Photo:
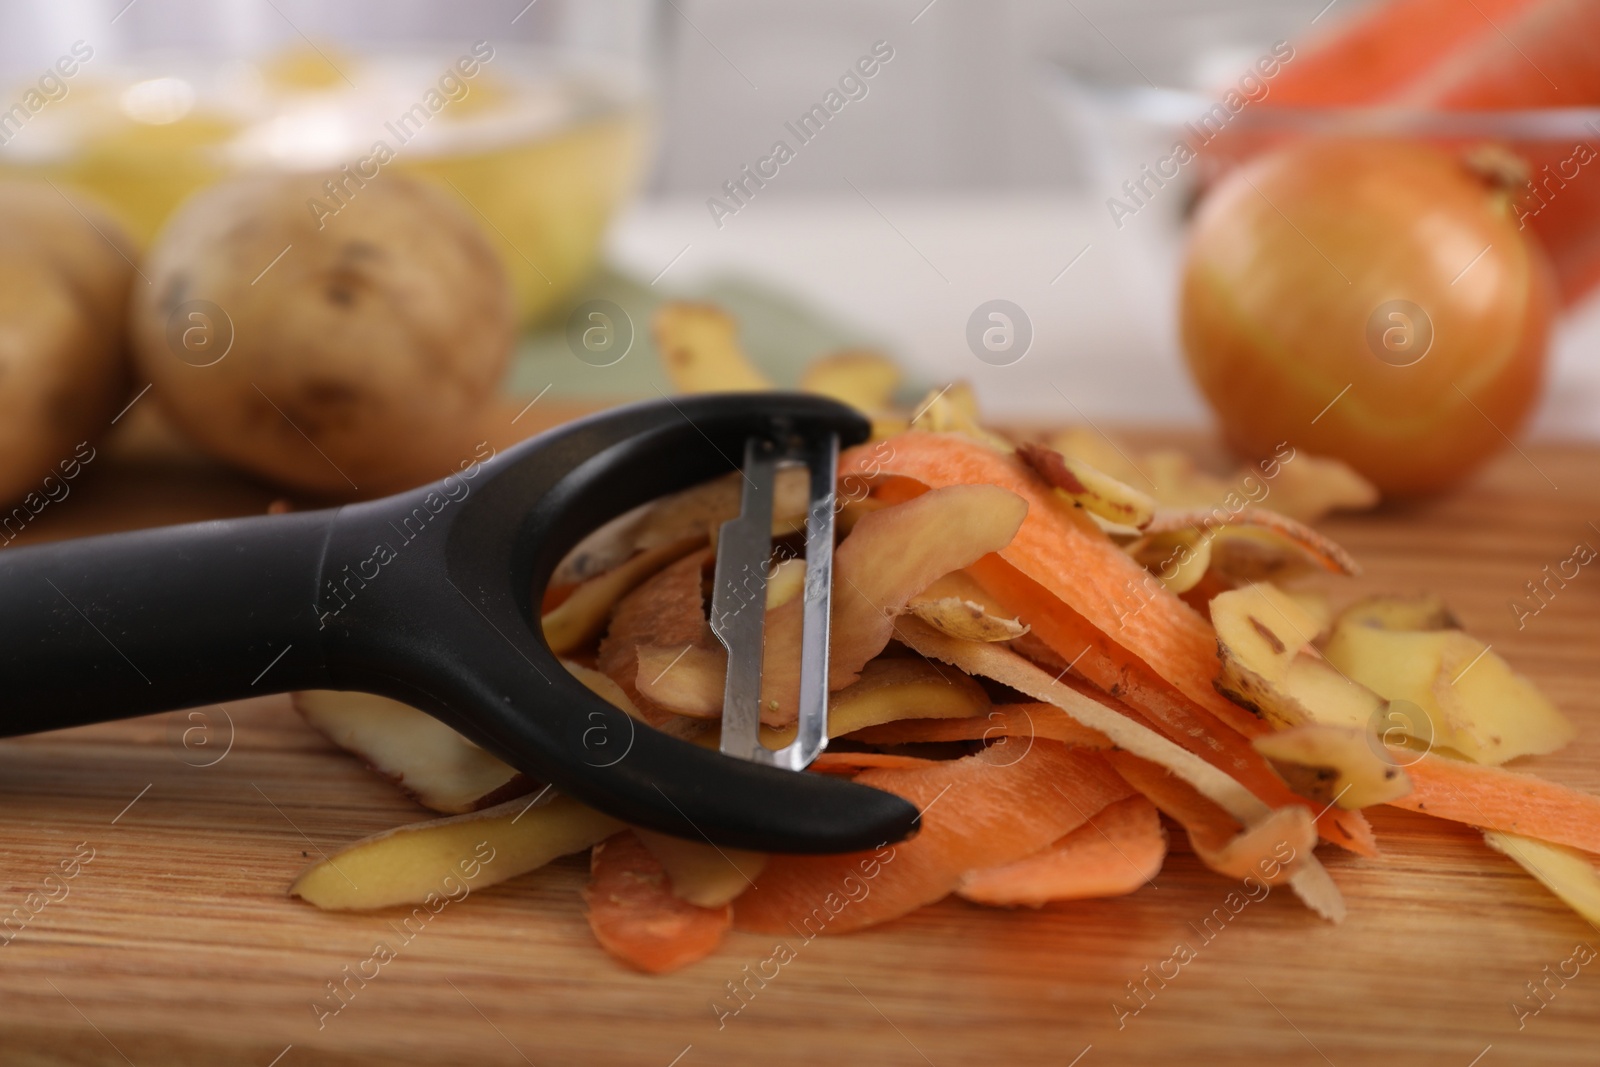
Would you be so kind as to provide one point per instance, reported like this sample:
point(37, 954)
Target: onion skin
point(1289, 258)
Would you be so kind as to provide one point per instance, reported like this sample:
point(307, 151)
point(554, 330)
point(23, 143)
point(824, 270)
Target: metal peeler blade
point(738, 605)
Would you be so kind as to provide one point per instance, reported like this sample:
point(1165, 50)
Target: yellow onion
point(1369, 300)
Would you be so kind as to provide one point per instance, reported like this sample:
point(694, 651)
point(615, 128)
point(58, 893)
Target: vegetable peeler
point(431, 597)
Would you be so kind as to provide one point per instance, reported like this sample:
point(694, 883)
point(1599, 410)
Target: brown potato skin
point(360, 361)
point(65, 273)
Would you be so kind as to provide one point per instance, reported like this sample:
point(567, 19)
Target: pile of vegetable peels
point(1042, 656)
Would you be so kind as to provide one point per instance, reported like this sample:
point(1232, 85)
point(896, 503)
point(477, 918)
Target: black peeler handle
point(428, 597)
point(126, 624)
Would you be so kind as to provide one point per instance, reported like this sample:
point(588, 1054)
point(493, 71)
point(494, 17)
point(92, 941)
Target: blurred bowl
point(1129, 137)
point(542, 145)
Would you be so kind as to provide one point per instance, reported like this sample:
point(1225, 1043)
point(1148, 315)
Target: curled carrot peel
point(1020, 721)
point(1207, 824)
point(1066, 554)
point(851, 762)
point(1118, 851)
point(1493, 798)
point(978, 811)
point(1098, 609)
point(636, 918)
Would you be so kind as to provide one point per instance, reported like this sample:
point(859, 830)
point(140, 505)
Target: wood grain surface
point(176, 944)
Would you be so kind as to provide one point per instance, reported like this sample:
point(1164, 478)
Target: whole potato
point(344, 352)
point(79, 241)
point(65, 271)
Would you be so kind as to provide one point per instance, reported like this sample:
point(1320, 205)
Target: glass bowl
point(541, 139)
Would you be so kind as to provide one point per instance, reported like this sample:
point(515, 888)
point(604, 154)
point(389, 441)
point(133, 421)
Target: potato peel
point(666, 612)
point(1268, 665)
point(426, 759)
point(1402, 614)
point(1301, 487)
point(1179, 558)
point(581, 617)
point(1262, 627)
point(1089, 488)
point(1287, 532)
point(954, 409)
point(862, 378)
point(701, 873)
point(878, 569)
point(1474, 703)
point(413, 864)
point(688, 514)
point(1349, 768)
point(699, 346)
point(893, 689)
point(965, 619)
point(1566, 872)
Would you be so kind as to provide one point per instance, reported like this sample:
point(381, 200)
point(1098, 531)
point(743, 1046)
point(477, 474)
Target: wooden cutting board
point(176, 943)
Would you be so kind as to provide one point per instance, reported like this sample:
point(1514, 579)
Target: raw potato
point(432, 763)
point(358, 363)
point(1335, 765)
point(64, 287)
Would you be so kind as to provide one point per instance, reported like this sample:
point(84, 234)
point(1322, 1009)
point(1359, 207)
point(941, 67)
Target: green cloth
point(780, 335)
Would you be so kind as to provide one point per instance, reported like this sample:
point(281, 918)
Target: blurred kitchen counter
point(909, 270)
